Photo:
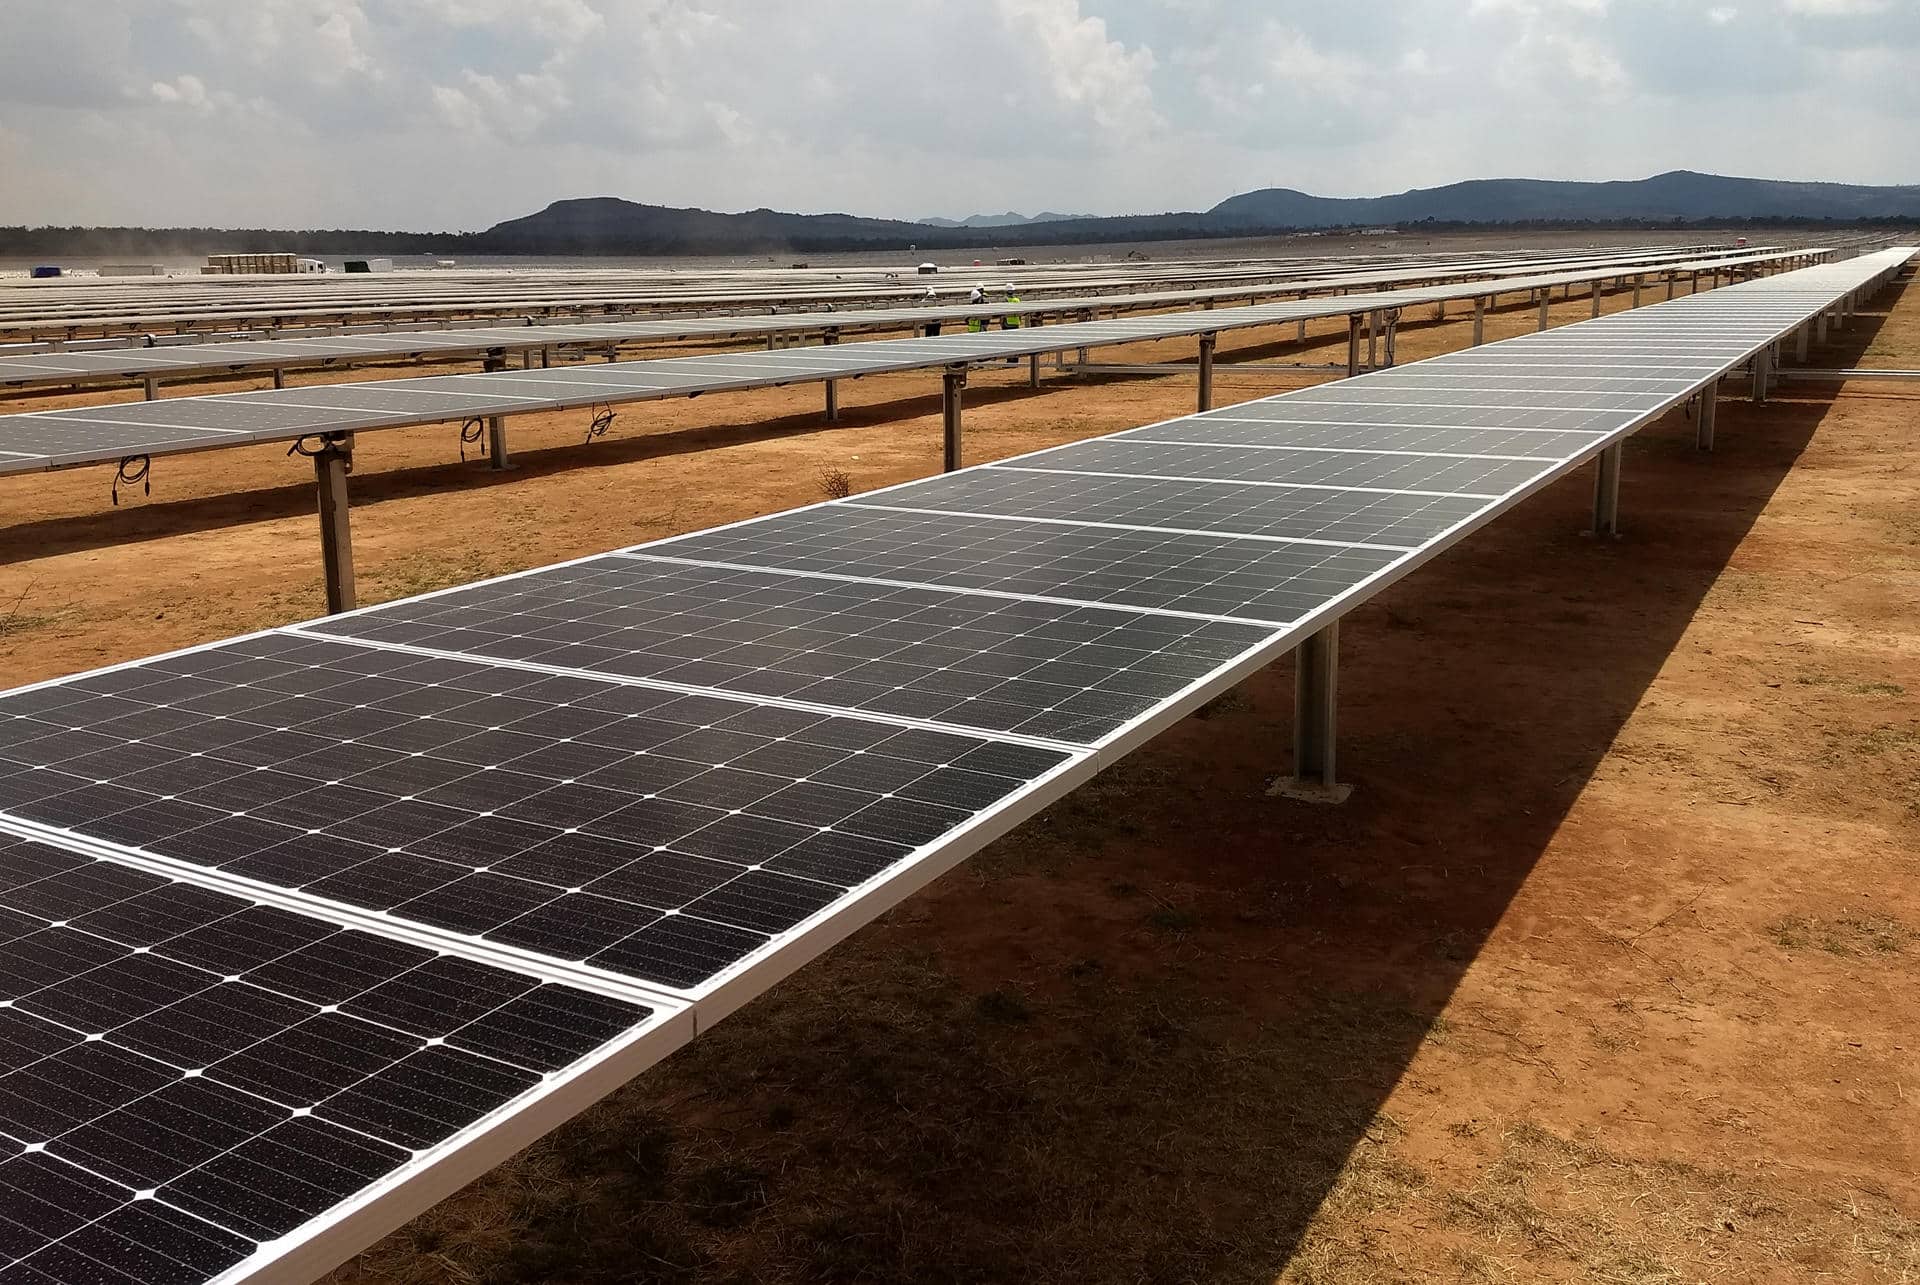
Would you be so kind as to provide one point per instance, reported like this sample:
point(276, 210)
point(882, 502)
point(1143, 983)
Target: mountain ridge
point(607, 225)
point(612, 225)
point(1010, 219)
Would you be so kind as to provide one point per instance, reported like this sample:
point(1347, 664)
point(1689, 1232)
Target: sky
point(444, 115)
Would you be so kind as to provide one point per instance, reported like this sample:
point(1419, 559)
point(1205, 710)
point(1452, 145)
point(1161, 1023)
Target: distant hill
point(609, 225)
point(1679, 196)
point(1007, 220)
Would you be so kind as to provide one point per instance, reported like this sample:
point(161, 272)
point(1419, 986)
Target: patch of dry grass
point(1848, 933)
point(835, 483)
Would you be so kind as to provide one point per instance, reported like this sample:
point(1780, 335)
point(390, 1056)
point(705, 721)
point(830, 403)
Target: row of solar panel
point(30, 369)
point(293, 927)
point(417, 296)
point(92, 434)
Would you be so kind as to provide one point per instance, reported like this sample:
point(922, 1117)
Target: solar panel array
point(36, 441)
point(186, 360)
point(300, 930)
point(78, 304)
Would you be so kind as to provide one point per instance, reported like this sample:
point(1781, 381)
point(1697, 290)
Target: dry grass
point(1859, 934)
point(835, 483)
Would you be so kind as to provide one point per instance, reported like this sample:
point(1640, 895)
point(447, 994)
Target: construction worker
point(932, 300)
point(1012, 320)
point(976, 298)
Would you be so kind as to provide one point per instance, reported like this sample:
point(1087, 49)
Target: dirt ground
point(1606, 973)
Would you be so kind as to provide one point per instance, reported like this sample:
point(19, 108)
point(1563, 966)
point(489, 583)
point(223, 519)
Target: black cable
point(602, 421)
point(327, 441)
point(472, 433)
point(134, 468)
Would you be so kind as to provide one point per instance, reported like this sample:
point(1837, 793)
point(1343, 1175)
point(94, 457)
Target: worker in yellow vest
point(976, 298)
point(1012, 320)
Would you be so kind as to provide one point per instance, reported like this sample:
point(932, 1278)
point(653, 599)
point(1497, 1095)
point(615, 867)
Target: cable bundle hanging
point(327, 442)
point(134, 468)
point(472, 433)
point(602, 421)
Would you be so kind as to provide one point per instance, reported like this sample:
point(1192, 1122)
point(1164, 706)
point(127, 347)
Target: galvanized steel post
point(952, 381)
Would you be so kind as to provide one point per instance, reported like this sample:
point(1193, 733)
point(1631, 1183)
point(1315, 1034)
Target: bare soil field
point(1606, 972)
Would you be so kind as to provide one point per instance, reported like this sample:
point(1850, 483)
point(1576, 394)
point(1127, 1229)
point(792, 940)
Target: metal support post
point(1762, 365)
point(1672, 277)
point(331, 463)
point(1388, 336)
point(1479, 321)
point(1638, 281)
point(279, 376)
point(1545, 296)
point(497, 442)
point(1606, 492)
point(1373, 340)
point(1820, 329)
point(1300, 331)
point(1596, 296)
point(1800, 345)
point(833, 386)
point(1207, 342)
point(1703, 429)
point(1353, 344)
point(546, 356)
point(1033, 370)
point(152, 387)
point(1316, 691)
point(952, 381)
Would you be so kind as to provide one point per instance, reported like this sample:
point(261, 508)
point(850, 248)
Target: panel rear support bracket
point(953, 382)
point(332, 461)
point(1315, 708)
point(832, 336)
point(1207, 343)
point(497, 444)
point(1606, 494)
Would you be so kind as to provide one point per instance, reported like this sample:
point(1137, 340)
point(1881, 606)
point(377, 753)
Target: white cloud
point(1084, 68)
point(457, 113)
point(1837, 8)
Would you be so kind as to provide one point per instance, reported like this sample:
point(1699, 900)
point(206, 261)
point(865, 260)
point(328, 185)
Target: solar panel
point(1169, 572)
point(653, 833)
point(383, 895)
point(1047, 670)
point(187, 1076)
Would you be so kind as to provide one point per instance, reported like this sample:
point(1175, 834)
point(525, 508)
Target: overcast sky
point(452, 114)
